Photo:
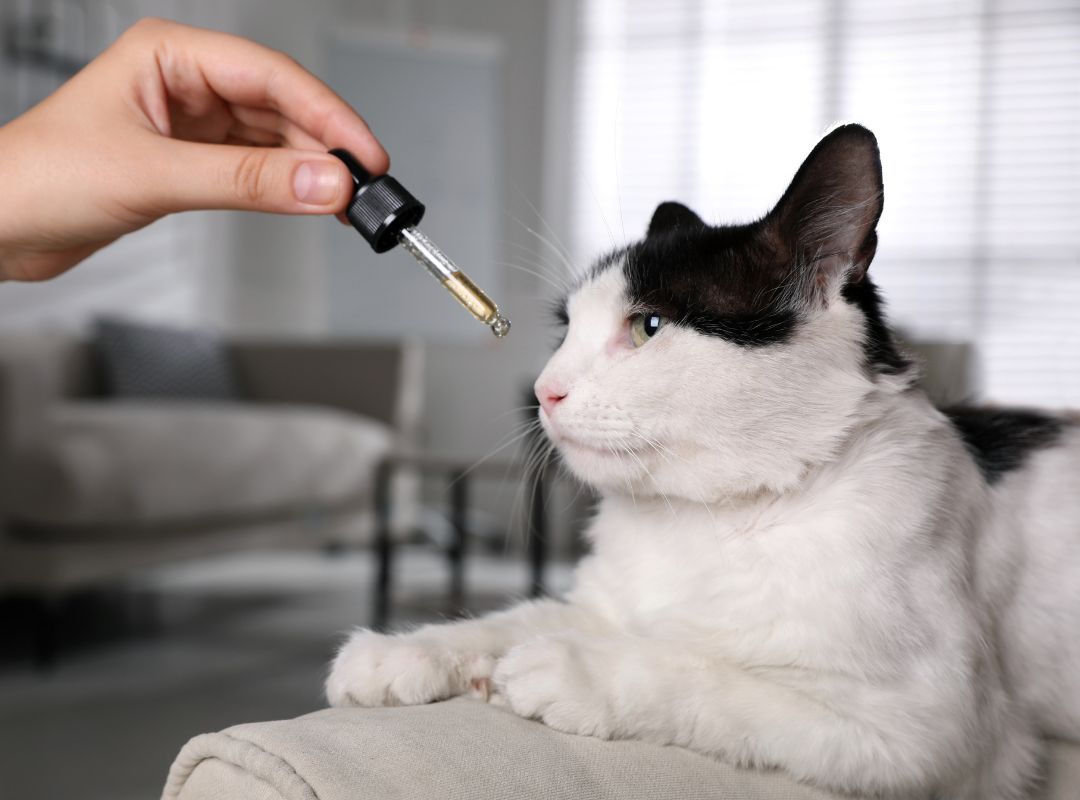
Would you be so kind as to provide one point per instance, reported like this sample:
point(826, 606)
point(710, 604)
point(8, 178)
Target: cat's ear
point(671, 216)
point(827, 218)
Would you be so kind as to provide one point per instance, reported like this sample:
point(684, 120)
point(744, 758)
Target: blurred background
point(192, 423)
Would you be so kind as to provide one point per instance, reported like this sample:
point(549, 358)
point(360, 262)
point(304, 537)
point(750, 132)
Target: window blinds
point(976, 104)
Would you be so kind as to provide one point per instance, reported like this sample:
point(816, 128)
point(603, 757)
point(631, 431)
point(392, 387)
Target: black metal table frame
point(459, 474)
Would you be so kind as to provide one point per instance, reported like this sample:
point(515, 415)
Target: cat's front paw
point(373, 669)
point(559, 680)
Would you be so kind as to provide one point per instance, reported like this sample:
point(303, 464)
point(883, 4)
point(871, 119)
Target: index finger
point(244, 72)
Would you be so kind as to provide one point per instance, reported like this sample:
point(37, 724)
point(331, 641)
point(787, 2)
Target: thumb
point(280, 180)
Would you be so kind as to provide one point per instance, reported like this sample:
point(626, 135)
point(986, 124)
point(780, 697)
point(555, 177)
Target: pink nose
point(549, 396)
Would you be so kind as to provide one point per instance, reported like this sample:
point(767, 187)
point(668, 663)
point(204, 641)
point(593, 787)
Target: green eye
point(643, 327)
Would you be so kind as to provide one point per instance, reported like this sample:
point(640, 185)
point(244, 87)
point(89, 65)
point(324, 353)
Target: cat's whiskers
point(615, 163)
point(528, 271)
point(536, 461)
point(541, 261)
point(615, 451)
point(518, 433)
point(663, 452)
point(563, 248)
point(564, 258)
point(663, 494)
point(539, 448)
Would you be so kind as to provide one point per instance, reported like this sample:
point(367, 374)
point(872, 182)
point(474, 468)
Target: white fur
point(794, 564)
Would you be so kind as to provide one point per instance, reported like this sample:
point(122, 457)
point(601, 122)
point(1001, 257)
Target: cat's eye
point(643, 327)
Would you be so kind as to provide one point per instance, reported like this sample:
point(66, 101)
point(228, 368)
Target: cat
point(797, 560)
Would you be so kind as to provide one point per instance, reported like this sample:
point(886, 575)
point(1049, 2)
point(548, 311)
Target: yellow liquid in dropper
point(456, 282)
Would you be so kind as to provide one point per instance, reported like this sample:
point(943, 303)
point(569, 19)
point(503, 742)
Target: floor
point(235, 640)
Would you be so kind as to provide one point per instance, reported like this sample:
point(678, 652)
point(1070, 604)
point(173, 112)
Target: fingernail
point(317, 183)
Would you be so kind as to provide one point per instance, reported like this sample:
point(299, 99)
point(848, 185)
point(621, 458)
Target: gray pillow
point(142, 360)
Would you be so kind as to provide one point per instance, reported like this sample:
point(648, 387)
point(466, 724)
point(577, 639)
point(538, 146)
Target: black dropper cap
point(380, 207)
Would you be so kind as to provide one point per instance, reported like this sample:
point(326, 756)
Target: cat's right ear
point(671, 216)
point(827, 218)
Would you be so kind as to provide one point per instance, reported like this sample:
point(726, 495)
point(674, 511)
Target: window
point(976, 104)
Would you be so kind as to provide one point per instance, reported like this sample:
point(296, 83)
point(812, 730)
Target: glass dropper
point(386, 214)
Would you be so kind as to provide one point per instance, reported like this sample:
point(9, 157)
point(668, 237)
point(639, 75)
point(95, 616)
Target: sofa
point(93, 487)
point(467, 749)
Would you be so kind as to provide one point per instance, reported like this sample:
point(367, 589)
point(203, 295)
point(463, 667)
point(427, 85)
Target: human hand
point(170, 118)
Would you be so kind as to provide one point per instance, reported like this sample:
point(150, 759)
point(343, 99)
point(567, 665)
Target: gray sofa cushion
point(126, 464)
point(465, 749)
point(141, 360)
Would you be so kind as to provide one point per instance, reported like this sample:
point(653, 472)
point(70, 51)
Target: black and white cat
point(798, 561)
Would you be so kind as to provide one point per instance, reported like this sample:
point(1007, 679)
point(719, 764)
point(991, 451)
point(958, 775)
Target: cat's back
point(1031, 551)
point(1001, 440)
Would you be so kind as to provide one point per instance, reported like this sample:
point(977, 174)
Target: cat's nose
point(549, 395)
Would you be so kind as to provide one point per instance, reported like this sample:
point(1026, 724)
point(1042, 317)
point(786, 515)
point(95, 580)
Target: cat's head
point(706, 362)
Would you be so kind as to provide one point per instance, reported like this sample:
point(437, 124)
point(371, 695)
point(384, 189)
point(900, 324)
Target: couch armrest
point(458, 749)
point(35, 372)
point(22, 398)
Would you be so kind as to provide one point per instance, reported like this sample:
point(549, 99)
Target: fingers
point(278, 180)
point(248, 74)
point(35, 266)
point(287, 131)
point(253, 136)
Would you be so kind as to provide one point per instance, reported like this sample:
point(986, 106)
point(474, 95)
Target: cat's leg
point(436, 662)
point(835, 730)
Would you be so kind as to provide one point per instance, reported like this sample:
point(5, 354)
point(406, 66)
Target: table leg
point(459, 500)
point(383, 545)
point(538, 529)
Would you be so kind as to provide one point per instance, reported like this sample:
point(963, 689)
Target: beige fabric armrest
point(466, 750)
point(451, 751)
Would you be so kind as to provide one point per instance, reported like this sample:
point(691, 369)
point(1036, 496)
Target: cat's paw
point(373, 669)
point(559, 680)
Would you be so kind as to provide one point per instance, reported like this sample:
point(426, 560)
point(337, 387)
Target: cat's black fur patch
point(1000, 440)
point(721, 281)
point(882, 355)
point(750, 284)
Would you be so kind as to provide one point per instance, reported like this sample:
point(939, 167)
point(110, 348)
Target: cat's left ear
point(827, 219)
point(672, 216)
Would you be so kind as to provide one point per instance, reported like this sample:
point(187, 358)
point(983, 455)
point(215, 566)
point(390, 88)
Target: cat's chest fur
point(725, 582)
point(839, 577)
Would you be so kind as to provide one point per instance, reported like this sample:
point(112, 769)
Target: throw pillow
point(144, 360)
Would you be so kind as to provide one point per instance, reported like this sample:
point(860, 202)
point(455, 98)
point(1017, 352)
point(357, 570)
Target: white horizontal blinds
point(763, 68)
point(147, 274)
point(976, 104)
point(636, 106)
point(1031, 325)
point(912, 74)
point(708, 103)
